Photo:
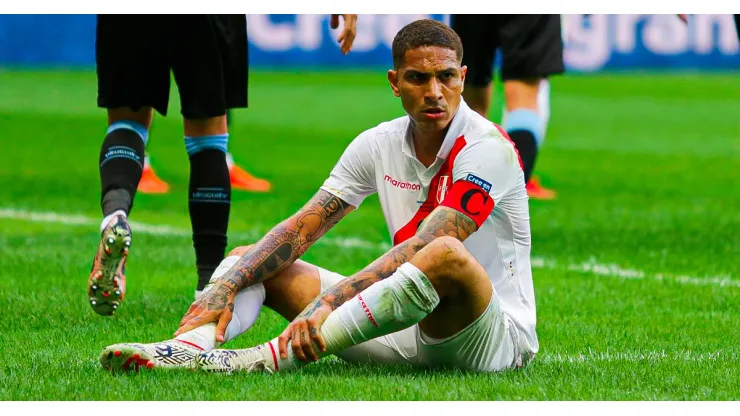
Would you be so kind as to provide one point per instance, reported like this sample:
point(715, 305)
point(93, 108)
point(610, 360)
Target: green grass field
point(637, 263)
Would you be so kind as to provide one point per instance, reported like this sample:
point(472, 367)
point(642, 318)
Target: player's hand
point(347, 37)
point(304, 330)
point(683, 18)
point(215, 305)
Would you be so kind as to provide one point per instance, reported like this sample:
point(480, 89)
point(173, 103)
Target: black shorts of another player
point(207, 55)
point(531, 45)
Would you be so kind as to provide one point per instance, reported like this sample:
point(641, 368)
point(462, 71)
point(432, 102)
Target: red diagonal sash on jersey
point(435, 195)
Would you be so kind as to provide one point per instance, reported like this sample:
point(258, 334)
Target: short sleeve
point(352, 178)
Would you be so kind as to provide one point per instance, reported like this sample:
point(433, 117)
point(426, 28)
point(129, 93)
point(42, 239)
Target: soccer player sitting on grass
point(456, 288)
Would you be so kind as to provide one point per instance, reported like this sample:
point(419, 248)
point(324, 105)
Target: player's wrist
point(329, 302)
point(227, 286)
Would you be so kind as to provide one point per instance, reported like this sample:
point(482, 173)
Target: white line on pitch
point(591, 267)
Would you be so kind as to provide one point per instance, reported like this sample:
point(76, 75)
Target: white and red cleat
point(106, 285)
point(169, 355)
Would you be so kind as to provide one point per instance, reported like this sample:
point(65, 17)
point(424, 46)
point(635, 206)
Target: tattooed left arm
point(443, 221)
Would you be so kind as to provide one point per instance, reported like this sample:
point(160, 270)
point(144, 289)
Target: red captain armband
point(470, 199)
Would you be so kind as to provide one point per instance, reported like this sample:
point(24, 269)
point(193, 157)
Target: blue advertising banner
point(593, 42)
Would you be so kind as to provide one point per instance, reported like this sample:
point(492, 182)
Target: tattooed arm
point(277, 250)
point(443, 221)
point(285, 243)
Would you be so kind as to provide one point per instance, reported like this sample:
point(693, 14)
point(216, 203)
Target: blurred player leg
point(526, 127)
point(209, 195)
point(480, 41)
point(527, 61)
point(240, 179)
point(532, 49)
point(543, 105)
point(442, 288)
point(129, 91)
point(535, 189)
point(209, 62)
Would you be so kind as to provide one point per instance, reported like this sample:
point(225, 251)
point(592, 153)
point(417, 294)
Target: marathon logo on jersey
point(403, 185)
point(480, 182)
point(444, 185)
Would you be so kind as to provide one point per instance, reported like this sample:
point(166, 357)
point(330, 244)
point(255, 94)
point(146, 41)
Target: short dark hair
point(425, 32)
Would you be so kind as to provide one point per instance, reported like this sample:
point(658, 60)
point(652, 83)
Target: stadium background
point(635, 263)
point(595, 42)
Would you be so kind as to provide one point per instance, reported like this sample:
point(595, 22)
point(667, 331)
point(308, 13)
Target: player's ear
point(463, 72)
point(393, 79)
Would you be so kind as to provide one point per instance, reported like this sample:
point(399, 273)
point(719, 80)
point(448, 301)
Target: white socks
point(247, 306)
point(108, 217)
point(388, 306)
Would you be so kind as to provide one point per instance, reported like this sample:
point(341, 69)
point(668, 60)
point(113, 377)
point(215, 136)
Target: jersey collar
point(459, 121)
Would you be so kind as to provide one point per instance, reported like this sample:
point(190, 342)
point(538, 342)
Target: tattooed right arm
point(277, 250)
point(287, 241)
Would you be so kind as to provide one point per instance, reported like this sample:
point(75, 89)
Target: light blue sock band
point(194, 145)
point(525, 119)
point(130, 125)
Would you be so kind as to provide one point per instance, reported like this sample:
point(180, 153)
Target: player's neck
point(427, 145)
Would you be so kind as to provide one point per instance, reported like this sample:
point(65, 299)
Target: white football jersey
point(476, 152)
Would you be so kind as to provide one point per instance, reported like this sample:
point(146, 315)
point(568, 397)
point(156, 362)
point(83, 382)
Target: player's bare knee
point(241, 250)
point(446, 245)
point(442, 260)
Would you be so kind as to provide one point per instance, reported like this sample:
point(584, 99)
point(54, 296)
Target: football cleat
point(172, 354)
point(229, 361)
point(535, 190)
point(106, 285)
point(150, 183)
point(244, 181)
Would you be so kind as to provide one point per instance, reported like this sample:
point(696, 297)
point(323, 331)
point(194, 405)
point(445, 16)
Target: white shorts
point(488, 344)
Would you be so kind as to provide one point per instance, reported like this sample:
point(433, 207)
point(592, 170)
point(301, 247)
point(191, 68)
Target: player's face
point(430, 84)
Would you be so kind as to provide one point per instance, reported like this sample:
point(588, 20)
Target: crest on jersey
point(442, 188)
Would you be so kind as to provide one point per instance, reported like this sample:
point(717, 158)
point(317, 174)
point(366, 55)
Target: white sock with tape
point(388, 306)
point(247, 305)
